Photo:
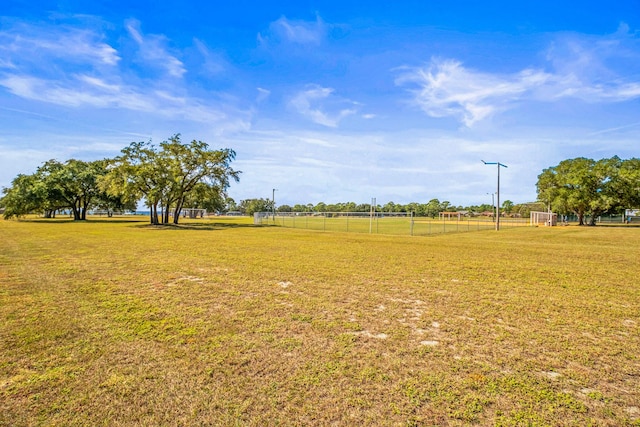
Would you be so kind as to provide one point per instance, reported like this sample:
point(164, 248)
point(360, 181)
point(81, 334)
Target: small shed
point(450, 215)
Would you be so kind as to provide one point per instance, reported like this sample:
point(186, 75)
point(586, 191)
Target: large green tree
point(77, 182)
point(626, 186)
point(27, 194)
point(72, 185)
point(251, 206)
point(188, 165)
point(136, 173)
point(167, 174)
point(590, 188)
point(206, 196)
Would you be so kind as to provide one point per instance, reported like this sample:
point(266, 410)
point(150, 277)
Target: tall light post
point(493, 205)
point(273, 203)
point(497, 192)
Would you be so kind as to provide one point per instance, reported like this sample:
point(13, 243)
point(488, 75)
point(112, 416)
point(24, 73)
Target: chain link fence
point(381, 223)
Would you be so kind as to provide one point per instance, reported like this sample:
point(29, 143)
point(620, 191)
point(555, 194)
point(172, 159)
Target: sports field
point(219, 322)
point(384, 224)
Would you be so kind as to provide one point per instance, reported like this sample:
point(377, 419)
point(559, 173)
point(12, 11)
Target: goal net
point(543, 218)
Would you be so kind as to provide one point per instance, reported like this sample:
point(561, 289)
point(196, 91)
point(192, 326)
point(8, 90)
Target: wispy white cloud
point(89, 91)
point(214, 63)
point(295, 31)
point(75, 68)
point(262, 94)
point(585, 68)
point(615, 129)
point(30, 44)
point(446, 88)
point(315, 100)
point(153, 50)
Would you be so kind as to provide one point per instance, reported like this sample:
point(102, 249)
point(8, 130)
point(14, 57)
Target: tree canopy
point(72, 185)
point(165, 176)
point(590, 188)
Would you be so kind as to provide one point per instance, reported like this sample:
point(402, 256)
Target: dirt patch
point(369, 334)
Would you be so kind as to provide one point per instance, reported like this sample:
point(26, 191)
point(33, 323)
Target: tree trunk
point(85, 207)
point(165, 214)
point(154, 213)
point(179, 205)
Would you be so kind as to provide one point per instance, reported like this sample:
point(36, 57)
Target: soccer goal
point(543, 218)
point(190, 212)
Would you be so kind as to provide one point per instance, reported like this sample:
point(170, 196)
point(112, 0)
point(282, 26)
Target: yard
point(219, 322)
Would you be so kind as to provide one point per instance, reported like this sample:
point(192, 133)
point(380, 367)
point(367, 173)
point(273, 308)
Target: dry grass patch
point(119, 323)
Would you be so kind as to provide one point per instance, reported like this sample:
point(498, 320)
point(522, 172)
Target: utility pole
point(273, 203)
point(493, 206)
point(372, 210)
point(497, 192)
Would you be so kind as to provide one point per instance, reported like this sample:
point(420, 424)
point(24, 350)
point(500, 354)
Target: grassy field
point(391, 225)
point(218, 322)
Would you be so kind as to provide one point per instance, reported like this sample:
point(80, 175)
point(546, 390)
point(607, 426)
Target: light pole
point(493, 205)
point(497, 192)
point(273, 203)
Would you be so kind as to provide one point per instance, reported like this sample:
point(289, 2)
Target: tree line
point(581, 186)
point(430, 209)
point(168, 177)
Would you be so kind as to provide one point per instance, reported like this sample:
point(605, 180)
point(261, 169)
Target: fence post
point(411, 225)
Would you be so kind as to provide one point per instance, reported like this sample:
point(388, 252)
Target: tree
point(72, 185)
point(193, 163)
point(626, 186)
point(76, 183)
point(206, 196)
point(166, 175)
point(137, 173)
point(388, 207)
point(320, 207)
point(26, 195)
point(251, 206)
point(284, 208)
point(433, 208)
point(230, 204)
point(591, 188)
point(507, 206)
point(113, 203)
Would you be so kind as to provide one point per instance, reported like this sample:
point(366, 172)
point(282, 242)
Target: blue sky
point(325, 100)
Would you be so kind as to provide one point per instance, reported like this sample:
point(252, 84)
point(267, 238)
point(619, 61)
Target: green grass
point(114, 322)
point(391, 225)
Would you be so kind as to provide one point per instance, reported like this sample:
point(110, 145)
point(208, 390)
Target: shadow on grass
point(84, 221)
point(211, 226)
point(143, 222)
